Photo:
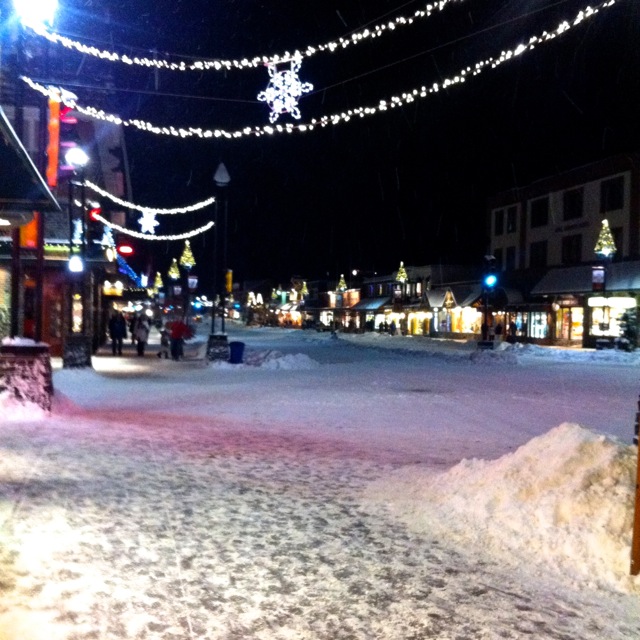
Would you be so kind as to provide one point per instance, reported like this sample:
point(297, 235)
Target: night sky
point(410, 184)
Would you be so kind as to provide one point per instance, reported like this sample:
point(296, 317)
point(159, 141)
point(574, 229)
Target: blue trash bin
point(236, 351)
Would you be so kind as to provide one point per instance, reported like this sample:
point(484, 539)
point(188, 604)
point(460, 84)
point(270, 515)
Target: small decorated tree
point(605, 246)
point(186, 259)
point(174, 271)
point(402, 276)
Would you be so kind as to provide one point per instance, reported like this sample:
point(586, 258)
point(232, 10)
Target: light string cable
point(149, 210)
point(61, 95)
point(144, 236)
point(343, 42)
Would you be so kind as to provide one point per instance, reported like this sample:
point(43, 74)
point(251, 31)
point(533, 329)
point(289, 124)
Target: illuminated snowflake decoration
point(284, 90)
point(76, 237)
point(107, 239)
point(148, 222)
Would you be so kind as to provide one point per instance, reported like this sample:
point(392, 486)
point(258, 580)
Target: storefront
point(580, 314)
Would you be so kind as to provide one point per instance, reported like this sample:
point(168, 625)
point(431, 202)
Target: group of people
point(139, 327)
point(172, 335)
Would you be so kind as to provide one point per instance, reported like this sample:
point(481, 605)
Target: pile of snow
point(566, 498)
point(19, 341)
point(272, 360)
point(11, 408)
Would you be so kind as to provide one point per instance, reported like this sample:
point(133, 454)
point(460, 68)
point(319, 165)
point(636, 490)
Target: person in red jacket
point(178, 331)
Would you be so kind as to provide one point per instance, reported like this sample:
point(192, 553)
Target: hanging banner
point(53, 148)
point(598, 277)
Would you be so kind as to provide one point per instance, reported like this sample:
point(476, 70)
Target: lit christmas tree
point(158, 284)
point(304, 291)
point(402, 274)
point(605, 246)
point(186, 259)
point(174, 271)
point(342, 285)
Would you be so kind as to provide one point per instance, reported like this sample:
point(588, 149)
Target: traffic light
point(490, 278)
point(95, 228)
point(124, 247)
point(228, 279)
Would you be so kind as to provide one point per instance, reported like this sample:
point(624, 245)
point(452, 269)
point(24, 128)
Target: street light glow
point(76, 157)
point(36, 12)
point(75, 264)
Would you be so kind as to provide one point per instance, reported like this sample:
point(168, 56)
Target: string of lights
point(149, 210)
point(144, 236)
point(341, 43)
point(61, 95)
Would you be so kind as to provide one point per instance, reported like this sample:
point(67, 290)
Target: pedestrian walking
point(164, 343)
point(142, 334)
point(177, 334)
point(117, 332)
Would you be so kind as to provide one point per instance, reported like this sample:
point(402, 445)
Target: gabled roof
point(22, 188)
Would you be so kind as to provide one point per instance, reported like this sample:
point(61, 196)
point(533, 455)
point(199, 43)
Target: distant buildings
point(550, 280)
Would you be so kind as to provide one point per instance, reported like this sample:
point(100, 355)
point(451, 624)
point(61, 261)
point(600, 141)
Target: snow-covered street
point(363, 488)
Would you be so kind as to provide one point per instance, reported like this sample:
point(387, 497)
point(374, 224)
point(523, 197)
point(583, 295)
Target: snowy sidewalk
point(198, 531)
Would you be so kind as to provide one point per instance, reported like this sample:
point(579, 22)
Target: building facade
point(543, 237)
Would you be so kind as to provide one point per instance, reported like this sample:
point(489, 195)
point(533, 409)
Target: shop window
point(537, 325)
point(510, 259)
point(612, 194)
point(572, 249)
point(572, 204)
point(569, 323)
point(539, 212)
point(512, 219)
point(498, 222)
point(538, 254)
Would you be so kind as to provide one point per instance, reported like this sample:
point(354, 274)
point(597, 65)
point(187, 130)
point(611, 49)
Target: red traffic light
point(125, 249)
point(97, 211)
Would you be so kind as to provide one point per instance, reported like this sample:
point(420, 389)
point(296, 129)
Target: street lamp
point(78, 348)
point(29, 13)
point(36, 12)
point(77, 158)
point(222, 180)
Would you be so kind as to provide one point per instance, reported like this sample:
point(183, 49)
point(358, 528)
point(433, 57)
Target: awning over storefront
point(370, 304)
point(620, 276)
point(22, 188)
point(501, 297)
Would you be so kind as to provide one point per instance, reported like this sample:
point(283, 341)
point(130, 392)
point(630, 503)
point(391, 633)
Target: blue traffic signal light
point(490, 280)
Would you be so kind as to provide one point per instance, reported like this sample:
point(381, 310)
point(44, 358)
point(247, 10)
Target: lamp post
point(29, 12)
point(78, 349)
point(222, 180)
